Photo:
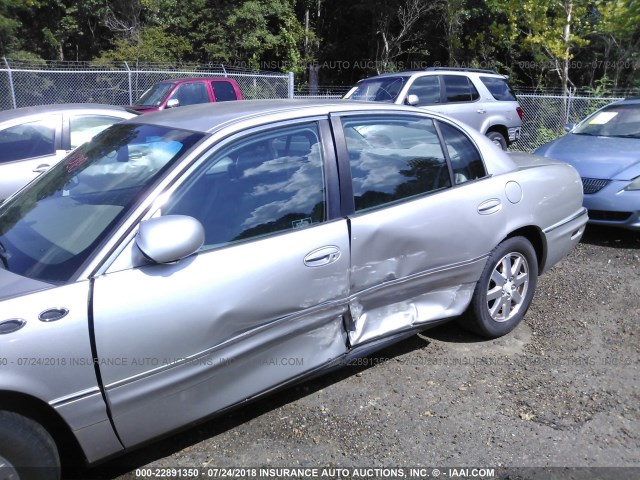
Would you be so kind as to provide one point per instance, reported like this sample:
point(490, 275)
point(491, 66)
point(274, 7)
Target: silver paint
point(179, 341)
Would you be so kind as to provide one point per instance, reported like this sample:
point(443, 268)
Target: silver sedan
point(188, 261)
point(33, 139)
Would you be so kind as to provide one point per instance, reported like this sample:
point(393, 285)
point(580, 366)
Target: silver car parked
point(480, 98)
point(33, 139)
point(188, 261)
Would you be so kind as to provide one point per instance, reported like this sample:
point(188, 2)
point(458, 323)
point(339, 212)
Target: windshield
point(50, 228)
point(385, 89)
point(621, 120)
point(155, 95)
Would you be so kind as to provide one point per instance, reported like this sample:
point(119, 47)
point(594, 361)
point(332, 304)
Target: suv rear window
point(499, 88)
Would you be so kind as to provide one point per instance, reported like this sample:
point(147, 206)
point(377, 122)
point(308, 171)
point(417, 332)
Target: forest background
point(546, 45)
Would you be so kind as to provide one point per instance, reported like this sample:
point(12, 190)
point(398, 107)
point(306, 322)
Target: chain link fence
point(24, 84)
point(545, 116)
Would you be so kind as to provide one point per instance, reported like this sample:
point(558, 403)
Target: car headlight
point(635, 185)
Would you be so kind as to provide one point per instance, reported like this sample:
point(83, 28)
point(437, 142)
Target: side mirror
point(170, 238)
point(174, 102)
point(569, 126)
point(412, 100)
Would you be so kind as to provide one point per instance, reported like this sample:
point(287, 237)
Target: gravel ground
point(559, 391)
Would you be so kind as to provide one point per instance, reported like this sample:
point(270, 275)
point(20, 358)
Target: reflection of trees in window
point(465, 158)
point(286, 222)
point(425, 174)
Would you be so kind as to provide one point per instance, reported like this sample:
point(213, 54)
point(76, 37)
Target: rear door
point(462, 101)
point(418, 241)
point(223, 91)
point(263, 302)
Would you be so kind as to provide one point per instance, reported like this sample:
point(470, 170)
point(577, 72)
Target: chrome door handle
point(53, 314)
point(322, 256)
point(481, 110)
point(490, 206)
point(42, 168)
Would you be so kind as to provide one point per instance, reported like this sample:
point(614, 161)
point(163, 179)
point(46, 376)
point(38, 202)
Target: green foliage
point(258, 29)
point(532, 40)
point(152, 44)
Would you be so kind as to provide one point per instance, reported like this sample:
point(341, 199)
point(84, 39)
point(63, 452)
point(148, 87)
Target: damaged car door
point(260, 303)
point(416, 186)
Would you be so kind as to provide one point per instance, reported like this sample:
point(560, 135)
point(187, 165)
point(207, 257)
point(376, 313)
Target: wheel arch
point(501, 129)
point(71, 454)
point(536, 237)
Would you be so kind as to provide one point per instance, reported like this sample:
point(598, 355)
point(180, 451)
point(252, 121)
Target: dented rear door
point(411, 259)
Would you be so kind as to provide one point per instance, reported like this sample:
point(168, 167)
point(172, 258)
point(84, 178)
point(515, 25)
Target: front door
point(261, 303)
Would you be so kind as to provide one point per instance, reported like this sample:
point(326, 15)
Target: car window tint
point(155, 95)
point(499, 88)
point(427, 88)
point(393, 159)
point(223, 91)
point(28, 140)
point(459, 89)
point(265, 183)
point(382, 89)
point(83, 128)
point(465, 158)
point(191, 94)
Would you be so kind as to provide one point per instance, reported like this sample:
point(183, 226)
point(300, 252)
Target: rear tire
point(498, 139)
point(505, 289)
point(27, 451)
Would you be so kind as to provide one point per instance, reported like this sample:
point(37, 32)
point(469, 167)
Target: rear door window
point(465, 158)
point(393, 159)
point(459, 88)
point(223, 91)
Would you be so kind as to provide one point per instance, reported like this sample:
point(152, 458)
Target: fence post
point(13, 93)
point(568, 95)
point(126, 65)
point(290, 89)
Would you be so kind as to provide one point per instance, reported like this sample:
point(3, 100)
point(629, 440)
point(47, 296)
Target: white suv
point(482, 99)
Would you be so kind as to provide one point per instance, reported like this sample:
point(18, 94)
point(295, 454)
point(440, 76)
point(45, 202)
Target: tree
point(9, 24)
point(151, 44)
point(265, 31)
point(550, 29)
point(397, 31)
point(618, 30)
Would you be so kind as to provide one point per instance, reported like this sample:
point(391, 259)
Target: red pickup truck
point(186, 91)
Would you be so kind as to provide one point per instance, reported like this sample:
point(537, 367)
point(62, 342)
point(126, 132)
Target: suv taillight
point(520, 112)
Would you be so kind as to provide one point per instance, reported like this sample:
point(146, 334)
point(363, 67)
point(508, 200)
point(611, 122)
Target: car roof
point(439, 71)
point(194, 79)
point(16, 113)
point(211, 117)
